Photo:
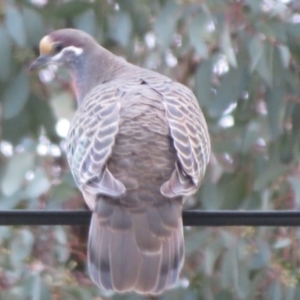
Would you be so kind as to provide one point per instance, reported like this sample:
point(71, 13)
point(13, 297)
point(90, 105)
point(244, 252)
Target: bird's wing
point(91, 138)
point(190, 136)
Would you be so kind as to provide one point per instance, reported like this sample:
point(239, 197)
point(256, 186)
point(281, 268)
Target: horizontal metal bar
point(190, 218)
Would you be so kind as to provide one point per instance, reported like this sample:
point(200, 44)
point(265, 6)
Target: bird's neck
point(101, 67)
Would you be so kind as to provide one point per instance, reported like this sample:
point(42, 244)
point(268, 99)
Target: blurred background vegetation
point(242, 60)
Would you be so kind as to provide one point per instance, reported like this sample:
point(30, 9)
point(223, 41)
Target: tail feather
point(146, 241)
point(177, 258)
point(120, 219)
point(98, 256)
point(156, 225)
point(165, 268)
point(170, 214)
point(148, 273)
point(123, 274)
point(135, 251)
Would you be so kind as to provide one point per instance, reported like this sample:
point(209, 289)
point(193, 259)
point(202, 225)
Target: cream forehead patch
point(46, 45)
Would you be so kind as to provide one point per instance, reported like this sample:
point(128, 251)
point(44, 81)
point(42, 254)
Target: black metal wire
point(190, 218)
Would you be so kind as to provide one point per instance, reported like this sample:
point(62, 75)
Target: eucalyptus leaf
point(120, 28)
point(295, 185)
point(231, 88)
point(229, 269)
point(268, 175)
point(5, 55)
point(21, 246)
point(282, 243)
point(15, 25)
point(71, 9)
point(285, 55)
point(165, 24)
point(289, 292)
point(196, 37)
point(16, 95)
point(261, 256)
point(39, 290)
point(274, 292)
point(15, 171)
point(86, 22)
point(38, 185)
point(34, 26)
point(203, 83)
point(224, 295)
point(16, 128)
point(226, 45)
point(261, 54)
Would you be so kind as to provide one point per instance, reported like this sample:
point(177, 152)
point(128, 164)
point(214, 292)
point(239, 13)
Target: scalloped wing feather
point(90, 141)
point(190, 136)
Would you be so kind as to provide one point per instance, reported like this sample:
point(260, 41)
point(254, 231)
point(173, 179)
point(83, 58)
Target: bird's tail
point(141, 251)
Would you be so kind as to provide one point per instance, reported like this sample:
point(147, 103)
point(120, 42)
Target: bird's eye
point(57, 47)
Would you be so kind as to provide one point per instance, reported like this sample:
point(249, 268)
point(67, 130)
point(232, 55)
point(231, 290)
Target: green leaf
point(78, 293)
point(211, 254)
point(224, 295)
point(255, 6)
point(34, 26)
point(285, 55)
point(282, 243)
point(62, 105)
point(196, 37)
point(15, 96)
point(140, 12)
point(9, 202)
point(71, 9)
point(59, 194)
point(234, 190)
point(226, 45)
point(229, 269)
point(293, 41)
point(5, 55)
point(42, 117)
point(275, 101)
point(196, 239)
point(203, 83)
point(268, 175)
point(231, 87)
point(211, 196)
point(61, 249)
point(261, 54)
point(295, 184)
point(38, 185)
point(120, 28)
point(165, 24)
point(255, 285)
point(15, 25)
point(289, 292)
point(39, 290)
point(243, 282)
point(15, 172)
point(16, 128)
point(261, 257)
point(21, 246)
point(86, 22)
point(273, 29)
point(274, 291)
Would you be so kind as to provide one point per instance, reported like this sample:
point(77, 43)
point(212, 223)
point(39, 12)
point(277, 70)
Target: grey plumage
point(137, 147)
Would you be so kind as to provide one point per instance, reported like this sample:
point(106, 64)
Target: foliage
point(241, 58)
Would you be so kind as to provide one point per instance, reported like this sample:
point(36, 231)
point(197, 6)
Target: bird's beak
point(40, 62)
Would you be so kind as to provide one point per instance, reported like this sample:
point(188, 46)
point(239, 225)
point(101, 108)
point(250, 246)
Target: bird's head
point(63, 47)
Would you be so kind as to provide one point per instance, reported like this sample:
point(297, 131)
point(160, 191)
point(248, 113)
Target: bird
point(138, 147)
